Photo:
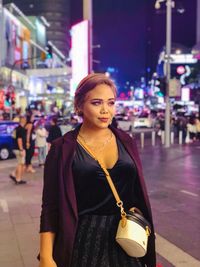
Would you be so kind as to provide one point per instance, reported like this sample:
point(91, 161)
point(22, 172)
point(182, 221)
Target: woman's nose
point(104, 109)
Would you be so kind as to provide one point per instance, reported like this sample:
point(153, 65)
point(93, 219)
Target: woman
point(41, 142)
point(30, 143)
point(79, 215)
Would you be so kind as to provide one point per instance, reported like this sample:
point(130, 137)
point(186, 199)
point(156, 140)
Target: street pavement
point(173, 180)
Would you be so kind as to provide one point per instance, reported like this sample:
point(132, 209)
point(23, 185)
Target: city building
point(30, 68)
point(56, 16)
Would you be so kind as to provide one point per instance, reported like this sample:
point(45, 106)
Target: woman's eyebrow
point(102, 99)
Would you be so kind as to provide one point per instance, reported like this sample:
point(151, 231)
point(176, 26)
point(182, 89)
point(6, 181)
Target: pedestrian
point(74, 122)
point(79, 214)
point(41, 142)
point(182, 127)
point(30, 142)
point(19, 136)
point(197, 124)
point(191, 129)
point(54, 131)
point(114, 122)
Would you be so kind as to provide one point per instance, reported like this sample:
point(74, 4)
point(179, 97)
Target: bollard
point(172, 138)
point(142, 139)
point(153, 138)
point(163, 137)
point(180, 137)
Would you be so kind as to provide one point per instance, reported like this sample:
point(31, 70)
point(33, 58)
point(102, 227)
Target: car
point(142, 121)
point(6, 138)
point(123, 121)
point(121, 117)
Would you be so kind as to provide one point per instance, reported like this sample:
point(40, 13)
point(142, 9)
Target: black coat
point(59, 208)
point(54, 133)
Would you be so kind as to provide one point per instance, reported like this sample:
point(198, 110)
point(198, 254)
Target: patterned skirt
point(95, 244)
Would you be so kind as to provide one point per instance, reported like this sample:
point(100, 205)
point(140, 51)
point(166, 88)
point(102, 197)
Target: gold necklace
point(100, 148)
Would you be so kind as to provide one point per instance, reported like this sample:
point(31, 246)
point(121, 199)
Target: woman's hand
point(47, 263)
point(27, 145)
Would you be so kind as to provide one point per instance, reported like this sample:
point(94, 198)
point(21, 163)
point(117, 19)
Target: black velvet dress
point(95, 244)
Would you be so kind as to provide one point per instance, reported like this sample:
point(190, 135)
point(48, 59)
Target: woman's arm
point(28, 135)
point(46, 245)
point(49, 214)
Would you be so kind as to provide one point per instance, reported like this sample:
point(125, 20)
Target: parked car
point(6, 139)
point(143, 121)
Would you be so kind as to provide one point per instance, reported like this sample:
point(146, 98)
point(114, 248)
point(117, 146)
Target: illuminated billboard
point(185, 94)
point(16, 39)
point(79, 53)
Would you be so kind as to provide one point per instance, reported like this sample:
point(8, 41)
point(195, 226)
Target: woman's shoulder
point(69, 136)
point(29, 125)
point(122, 134)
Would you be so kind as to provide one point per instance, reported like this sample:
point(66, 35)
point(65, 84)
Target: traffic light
point(49, 51)
point(162, 85)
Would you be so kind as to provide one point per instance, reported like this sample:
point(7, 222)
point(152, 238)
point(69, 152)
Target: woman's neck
point(93, 132)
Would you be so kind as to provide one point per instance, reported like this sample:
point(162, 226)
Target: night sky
point(131, 33)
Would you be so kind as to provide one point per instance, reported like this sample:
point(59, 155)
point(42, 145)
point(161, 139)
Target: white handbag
point(133, 229)
point(133, 236)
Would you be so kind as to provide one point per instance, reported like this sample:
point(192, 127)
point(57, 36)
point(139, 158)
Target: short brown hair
point(87, 84)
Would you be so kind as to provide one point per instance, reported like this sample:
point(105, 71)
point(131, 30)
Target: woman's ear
point(79, 112)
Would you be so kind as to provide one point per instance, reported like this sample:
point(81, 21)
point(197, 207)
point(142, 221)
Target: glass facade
point(57, 15)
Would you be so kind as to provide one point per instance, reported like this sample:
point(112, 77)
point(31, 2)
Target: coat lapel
point(68, 150)
point(131, 148)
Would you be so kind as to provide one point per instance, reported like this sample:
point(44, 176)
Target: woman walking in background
point(41, 142)
point(30, 143)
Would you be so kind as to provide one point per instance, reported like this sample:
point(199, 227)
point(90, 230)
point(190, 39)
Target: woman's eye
point(111, 103)
point(96, 103)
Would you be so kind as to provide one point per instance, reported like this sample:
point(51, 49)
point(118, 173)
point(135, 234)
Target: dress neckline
point(114, 165)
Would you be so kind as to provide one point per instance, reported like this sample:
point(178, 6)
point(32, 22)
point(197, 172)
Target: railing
point(152, 135)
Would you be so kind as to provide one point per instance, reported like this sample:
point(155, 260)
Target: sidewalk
point(173, 181)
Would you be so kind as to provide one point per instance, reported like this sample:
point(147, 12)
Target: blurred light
point(157, 5)
point(155, 75)
point(183, 59)
point(180, 8)
point(180, 69)
point(178, 51)
point(111, 69)
point(148, 69)
point(107, 74)
point(185, 94)
point(43, 19)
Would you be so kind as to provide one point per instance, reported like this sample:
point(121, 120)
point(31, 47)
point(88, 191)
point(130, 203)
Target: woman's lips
point(103, 119)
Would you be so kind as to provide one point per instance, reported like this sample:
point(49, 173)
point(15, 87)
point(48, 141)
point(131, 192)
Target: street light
point(169, 4)
point(157, 4)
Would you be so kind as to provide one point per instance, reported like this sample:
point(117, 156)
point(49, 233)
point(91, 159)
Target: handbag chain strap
point(108, 177)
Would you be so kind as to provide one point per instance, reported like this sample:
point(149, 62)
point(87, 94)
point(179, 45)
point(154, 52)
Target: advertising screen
point(17, 38)
point(185, 94)
point(79, 53)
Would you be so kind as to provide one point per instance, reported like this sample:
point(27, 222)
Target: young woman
point(79, 216)
point(30, 143)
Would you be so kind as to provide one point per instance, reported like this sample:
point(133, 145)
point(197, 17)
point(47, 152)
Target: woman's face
point(99, 107)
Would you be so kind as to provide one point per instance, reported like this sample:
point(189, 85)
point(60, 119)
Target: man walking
point(54, 132)
point(19, 151)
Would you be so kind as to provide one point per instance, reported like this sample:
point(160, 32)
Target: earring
point(79, 113)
